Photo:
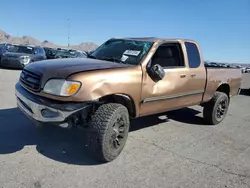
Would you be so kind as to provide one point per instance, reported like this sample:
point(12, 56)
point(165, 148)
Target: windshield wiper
point(113, 59)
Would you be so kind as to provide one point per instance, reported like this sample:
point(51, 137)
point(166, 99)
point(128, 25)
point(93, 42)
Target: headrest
point(164, 52)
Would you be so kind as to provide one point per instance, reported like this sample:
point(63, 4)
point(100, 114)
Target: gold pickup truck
point(123, 79)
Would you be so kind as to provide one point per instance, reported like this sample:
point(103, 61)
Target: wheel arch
point(123, 99)
point(224, 88)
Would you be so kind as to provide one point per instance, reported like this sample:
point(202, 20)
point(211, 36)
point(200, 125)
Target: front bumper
point(46, 110)
point(12, 63)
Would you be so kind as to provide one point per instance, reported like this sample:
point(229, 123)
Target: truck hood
point(62, 68)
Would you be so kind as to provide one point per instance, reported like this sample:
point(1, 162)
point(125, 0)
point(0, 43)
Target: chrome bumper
point(41, 112)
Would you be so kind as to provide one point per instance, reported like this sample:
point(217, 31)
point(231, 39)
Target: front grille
point(4, 62)
point(30, 80)
point(11, 63)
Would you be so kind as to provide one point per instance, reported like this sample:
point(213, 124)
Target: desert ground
point(175, 150)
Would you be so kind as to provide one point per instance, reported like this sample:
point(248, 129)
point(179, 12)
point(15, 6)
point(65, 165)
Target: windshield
point(126, 51)
point(21, 49)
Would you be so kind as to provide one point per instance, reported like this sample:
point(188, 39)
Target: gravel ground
point(174, 150)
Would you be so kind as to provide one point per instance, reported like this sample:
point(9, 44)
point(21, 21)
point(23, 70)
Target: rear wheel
point(110, 126)
point(215, 110)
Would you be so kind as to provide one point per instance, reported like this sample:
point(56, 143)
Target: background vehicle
point(50, 52)
point(63, 54)
point(7, 45)
point(70, 54)
point(247, 70)
point(124, 79)
point(80, 54)
point(18, 56)
point(3, 49)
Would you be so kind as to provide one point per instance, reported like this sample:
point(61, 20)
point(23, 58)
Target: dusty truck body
point(121, 80)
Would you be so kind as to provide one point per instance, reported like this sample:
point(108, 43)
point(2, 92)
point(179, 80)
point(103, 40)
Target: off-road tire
point(100, 141)
point(211, 107)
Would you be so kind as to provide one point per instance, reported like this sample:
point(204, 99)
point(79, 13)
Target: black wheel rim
point(221, 109)
point(118, 134)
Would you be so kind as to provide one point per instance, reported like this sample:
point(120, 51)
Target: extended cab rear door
point(197, 74)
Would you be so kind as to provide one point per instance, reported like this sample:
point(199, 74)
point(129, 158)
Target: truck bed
point(217, 76)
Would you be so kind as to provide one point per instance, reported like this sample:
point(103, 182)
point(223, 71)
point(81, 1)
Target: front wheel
point(215, 110)
point(110, 126)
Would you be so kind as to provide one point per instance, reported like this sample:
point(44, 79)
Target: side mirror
point(157, 72)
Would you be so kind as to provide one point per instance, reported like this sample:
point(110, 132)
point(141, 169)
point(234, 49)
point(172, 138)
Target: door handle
point(193, 75)
point(183, 75)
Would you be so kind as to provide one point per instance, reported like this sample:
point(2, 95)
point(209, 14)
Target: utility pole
point(68, 33)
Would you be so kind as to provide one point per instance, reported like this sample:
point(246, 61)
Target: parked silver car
point(18, 56)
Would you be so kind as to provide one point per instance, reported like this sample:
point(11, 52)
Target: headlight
point(61, 87)
point(25, 59)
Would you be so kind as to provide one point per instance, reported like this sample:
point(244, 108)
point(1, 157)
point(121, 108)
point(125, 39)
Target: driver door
point(166, 94)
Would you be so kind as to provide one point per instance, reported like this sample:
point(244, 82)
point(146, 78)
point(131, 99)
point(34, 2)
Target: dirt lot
point(168, 150)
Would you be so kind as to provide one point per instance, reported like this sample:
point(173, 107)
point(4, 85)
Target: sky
point(221, 27)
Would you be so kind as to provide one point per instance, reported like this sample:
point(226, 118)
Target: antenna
point(68, 33)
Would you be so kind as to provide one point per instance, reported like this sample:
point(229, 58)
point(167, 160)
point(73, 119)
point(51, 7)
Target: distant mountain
point(7, 38)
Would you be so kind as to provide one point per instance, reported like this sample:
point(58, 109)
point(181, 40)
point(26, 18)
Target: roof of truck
point(154, 39)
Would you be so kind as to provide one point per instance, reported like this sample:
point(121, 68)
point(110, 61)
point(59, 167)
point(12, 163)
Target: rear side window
point(194, 59)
